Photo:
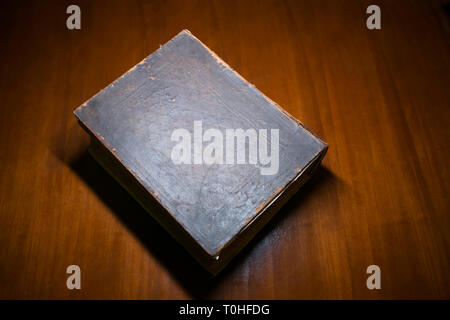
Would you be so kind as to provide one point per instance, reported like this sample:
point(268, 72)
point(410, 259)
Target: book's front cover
point(210, 147)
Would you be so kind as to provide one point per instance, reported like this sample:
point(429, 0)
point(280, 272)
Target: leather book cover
point(209, 156)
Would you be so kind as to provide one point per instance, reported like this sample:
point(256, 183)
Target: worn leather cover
point(212, 209)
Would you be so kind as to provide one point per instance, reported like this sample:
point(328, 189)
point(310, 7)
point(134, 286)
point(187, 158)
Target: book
point(208, 155)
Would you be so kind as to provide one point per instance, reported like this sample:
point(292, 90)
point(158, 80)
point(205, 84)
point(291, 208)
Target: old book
point(210, 157)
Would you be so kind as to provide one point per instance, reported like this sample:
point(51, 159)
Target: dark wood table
point(380, 98)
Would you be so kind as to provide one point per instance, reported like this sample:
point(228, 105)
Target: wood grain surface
point(380, 98)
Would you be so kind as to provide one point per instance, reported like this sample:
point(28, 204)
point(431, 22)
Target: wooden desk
point(381, 99)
